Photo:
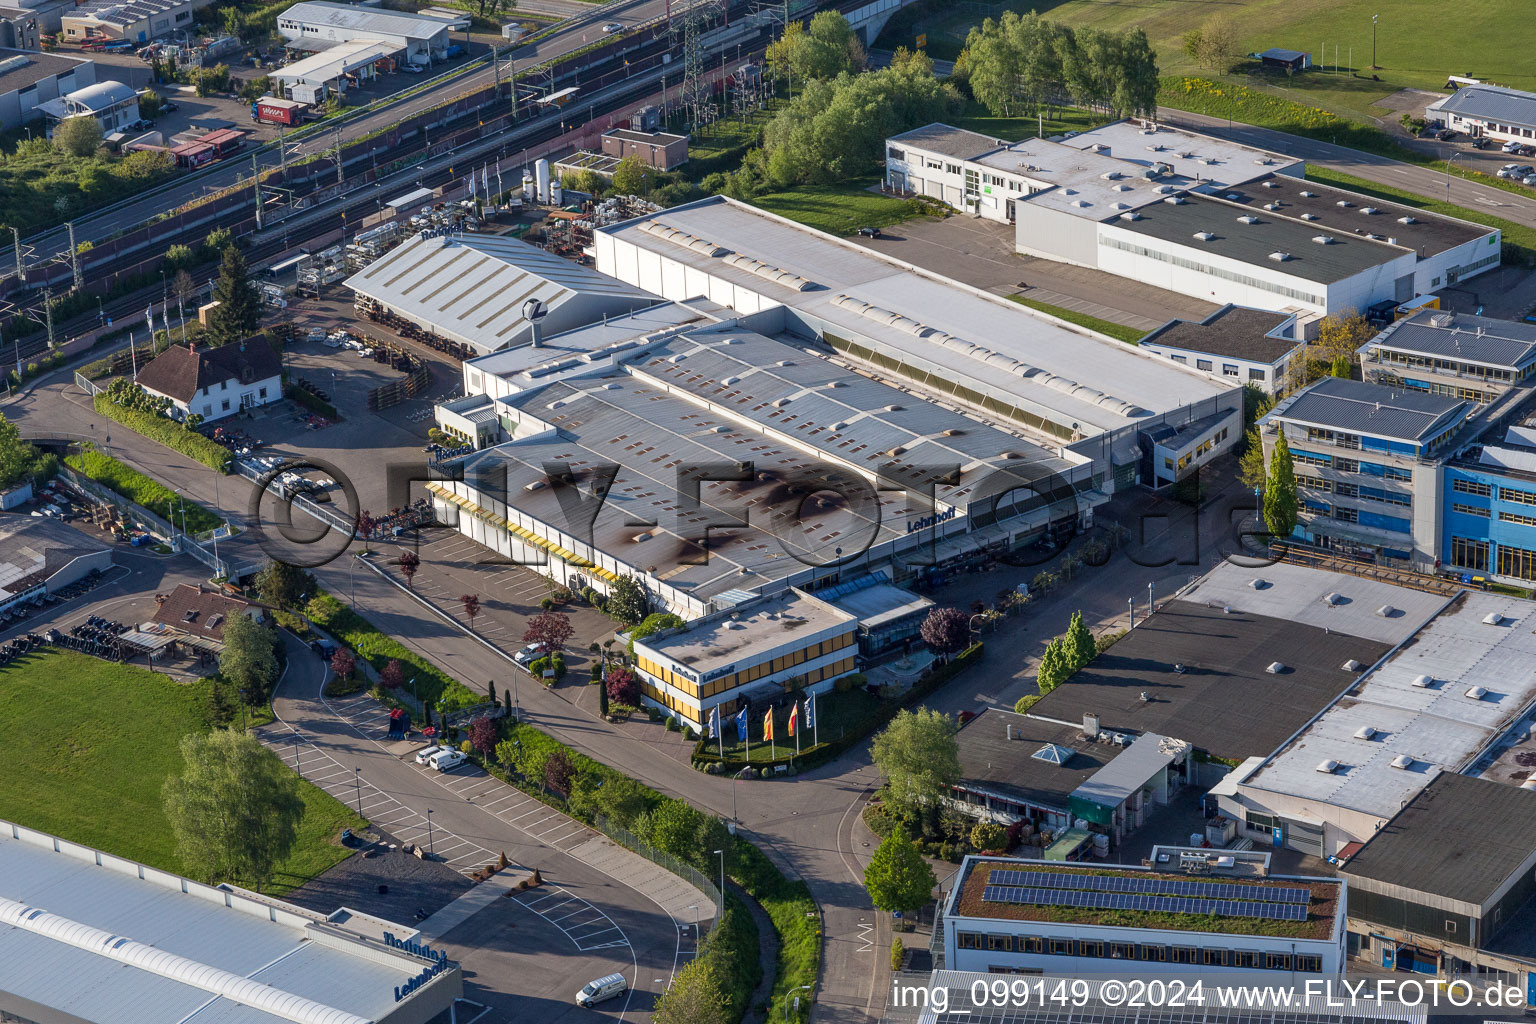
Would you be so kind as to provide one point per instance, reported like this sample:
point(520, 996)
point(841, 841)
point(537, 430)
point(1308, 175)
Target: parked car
point(869, 232)
point(613, 27)
point(1513, 171)
point(527, 655)
point(424, 755)
point(1482, 142)
point(169, 107)
point(1511, 146)
point(411, 69)
point(1445, 135)
point(600, 989)
point(1529, 179)
point(446, 760)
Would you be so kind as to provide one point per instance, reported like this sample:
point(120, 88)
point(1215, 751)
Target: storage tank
point(541, 172)
point(1100, 844)
point(528, 193)
point(556, 192)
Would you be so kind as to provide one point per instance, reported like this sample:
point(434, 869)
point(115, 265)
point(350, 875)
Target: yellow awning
point(522, 532)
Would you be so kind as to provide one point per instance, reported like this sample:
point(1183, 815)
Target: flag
point(741, 725)
point(149, 317)
point(714, 722)
point(794, 717)
point(810, 711)
point(485, 183)
point(471, 183)
point(768, 725)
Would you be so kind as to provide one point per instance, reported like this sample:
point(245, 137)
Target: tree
point(483, 735)
point(365, 524)
point(284, 586)
point(622, 800)
point(182, 285)
point(235, 808)
point(946, 630)
point(490, 693)
point(1214, 45)
point(629, 177)
point(919, 756)
point(694, 997)
point(826, 49)
point(409, 562)
point(1280, 491)
point(343, 663)
point(1078, 644)
point(558, 771)
point(627, 603)
point(989, 835)
point(149, 104)
point(238, 313)
point(248, 660)
point(78, 136)
point(1055, 667)
point(471, 603)
point(622, 686)
point(393, 675)
point(16, 456)
point(1342, 366)
point(1251, 470)
point(673, 828)
point(898, 879)
point(550, 630)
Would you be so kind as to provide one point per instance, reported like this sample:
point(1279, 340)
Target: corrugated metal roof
point(1462, 336)
point(361, 20)
point(1372, 409)
point(1490, 103)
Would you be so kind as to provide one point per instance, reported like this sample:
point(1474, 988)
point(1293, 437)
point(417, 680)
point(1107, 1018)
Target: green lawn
point(137, 487)
point(1130, 335)
point(976, 119)
point(851, 711)
point(87, 745)
point(1519, 240)
point(840, 209)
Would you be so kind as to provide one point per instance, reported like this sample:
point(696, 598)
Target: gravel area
point(413, 886)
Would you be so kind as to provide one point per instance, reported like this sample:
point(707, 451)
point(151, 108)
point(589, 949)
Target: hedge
point(821, 753)
point(432, 684)
point(137, 487)
point(168, 432)
point(314, 403)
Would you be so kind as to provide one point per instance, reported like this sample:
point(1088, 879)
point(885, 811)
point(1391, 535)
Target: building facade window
point(1469, 553)
point(1516, 517)
point(1522, 497)
point(1202, 364)
point(1461, 486)
point(1517, 562)
point(1469, 510)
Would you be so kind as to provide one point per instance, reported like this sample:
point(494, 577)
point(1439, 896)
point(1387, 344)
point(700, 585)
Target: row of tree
point(1021, 64)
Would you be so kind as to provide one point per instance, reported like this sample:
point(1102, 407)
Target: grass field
point(137, 487)
point(839, 712)
point(976, 119)
point(1130, 335)
point(87, 745)
point(839, 209)
point(1418, 45)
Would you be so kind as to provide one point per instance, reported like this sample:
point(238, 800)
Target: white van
point(425, 754)
point(601, 989)
point(446, 760)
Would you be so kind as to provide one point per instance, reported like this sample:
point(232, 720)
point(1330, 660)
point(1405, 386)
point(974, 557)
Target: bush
point(988, 835)
point(168, 432)
point(138, 488)
point(897, 952)
point(671, 724)
point(433, 686)
point(1023, 704)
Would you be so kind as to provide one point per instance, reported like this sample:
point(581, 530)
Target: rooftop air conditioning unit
point(1402, 762)
point(1275, 668)
point(1280, 257)
point(1328, 767)
point(1477, 693)
point(1493, 619)
point(1442, 319)
point(1386, 611)
point(1365, 732)
point(1205, 236)
point(1423, 682)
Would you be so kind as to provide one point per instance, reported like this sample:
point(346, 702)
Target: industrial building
point(1140, 418)
point(1007, 915)
point(89, 936)
point(29, 79)
point(18, 29)
point(1253, 346)
point(112, 104)
point(1195, 215)
point(317, 25)
point(472, 289)
point(314, 78)
point(660, 150)
point(137, 21)
point(39, 556)
point(1494, 111)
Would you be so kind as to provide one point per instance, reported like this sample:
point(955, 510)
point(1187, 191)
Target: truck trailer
point(271, 110)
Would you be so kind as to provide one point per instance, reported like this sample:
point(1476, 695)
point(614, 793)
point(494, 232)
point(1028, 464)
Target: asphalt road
point(1521, 209)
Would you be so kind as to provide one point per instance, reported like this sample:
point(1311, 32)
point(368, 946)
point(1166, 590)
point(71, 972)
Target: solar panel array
point(1096, 900)
point(1151, 886)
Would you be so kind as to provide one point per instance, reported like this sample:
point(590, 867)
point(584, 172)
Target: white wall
point(211, 405)
point(671, 279)
point(1192, 358)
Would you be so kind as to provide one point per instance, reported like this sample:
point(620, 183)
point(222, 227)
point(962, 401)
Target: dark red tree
point(471, 604)
point(343, 664)
point(946, 629)
point(558, 772)
point(623, 687)
point(483, 735)
point(550, 630)
point(409, 561)
point(393, 676)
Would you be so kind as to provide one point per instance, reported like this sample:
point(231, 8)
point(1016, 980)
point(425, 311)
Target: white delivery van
point(446, 760)
point(601, 989)
point(425, 754)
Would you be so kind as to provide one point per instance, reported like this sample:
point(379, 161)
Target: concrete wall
point(1056, 235)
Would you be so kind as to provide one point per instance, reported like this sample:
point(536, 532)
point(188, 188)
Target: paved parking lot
point(981, 253)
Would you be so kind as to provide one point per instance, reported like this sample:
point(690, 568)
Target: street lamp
point(1448, 162)
point(1151, 600)
point(430, 848)
point(797, 988)
point(296, 765)
point(1374, 19)
point(721, 854)
point(358, 778)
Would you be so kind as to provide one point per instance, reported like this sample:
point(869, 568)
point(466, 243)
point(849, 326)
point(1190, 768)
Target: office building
point(137, 21)
point(1503, 114)
point(1253, 346)
point(1457, 355)
point(29, 79)
point(113, 105)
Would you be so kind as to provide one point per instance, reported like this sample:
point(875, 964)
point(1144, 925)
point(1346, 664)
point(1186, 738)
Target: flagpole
point(720, 731)
point(797, 737)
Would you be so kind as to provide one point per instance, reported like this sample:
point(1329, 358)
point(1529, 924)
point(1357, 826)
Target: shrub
point(1023, 704)
point(988, 835)
point(671, 724)
point(897, 952)
point(167, 432)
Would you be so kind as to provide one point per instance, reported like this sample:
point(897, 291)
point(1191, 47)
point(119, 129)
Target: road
point(1521, 209)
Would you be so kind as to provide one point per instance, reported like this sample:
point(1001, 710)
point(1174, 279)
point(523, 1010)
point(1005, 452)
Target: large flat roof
point(358, 19)
point(34, 68)
point(948, 333)
point(1374, 409)
point(1417, 705)
point(756, 629)
point(1236, 332)
point(1253, 242)
point(33, 548)
point(997, 753)
point(174, 949)
point(1204, 674)
point(472, 287)
point(1339, 212)
point(949, 141)
point(1459, 838)
point(1191, 155)
point(334, 61)
point(1462, 337)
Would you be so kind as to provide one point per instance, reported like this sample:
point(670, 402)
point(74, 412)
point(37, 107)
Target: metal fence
point(329, 516)
point(690, 874)
point(87, 385)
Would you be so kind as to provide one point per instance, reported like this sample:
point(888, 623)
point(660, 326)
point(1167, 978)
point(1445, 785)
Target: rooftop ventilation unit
point(1275, 668)
point(1333, 599)
point(1493, 619)
point(1132, 215)
point(1271, 207)
point(1280, 257)
point(1122, 187)
point(1352, 666)
point(1442, 319)
point(1309, 216)
point(1109, 175)
point(1365, 732)
point(1344, 202)
point(1328, 767)
point(1205, 236)
point(1174, 200)
point(1323, 239)
point(1369, 210)
point(1402, 762)
point(1247, 218)
point(1386, 611)
point(1307, 195)
point(779, 403)
point(1081, 203)
point(1408, 220)
point(1424, 682)
point(1258, 583)
point(1271, 184)
point(1477, 693)
point(536, 485)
